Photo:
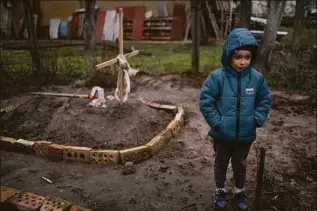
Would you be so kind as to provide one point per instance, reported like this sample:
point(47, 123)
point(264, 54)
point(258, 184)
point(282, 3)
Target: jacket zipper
point(238, 107)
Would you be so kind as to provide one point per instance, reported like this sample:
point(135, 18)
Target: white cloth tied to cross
point(128, 71)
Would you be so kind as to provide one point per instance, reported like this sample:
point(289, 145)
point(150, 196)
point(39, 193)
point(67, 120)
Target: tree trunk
point(267, 44)
point(268, 4)
point(90, 31)
point(195, 17)
point(245, 13)
point(90, 25)
point(34, 50)
point(298, 25)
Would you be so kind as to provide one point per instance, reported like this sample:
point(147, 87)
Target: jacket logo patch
point(249, 91)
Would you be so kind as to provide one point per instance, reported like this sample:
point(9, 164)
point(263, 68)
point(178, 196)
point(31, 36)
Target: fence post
point(259, 180)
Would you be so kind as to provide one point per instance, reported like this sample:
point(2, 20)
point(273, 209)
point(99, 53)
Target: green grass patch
point(175, 58)
point(66, 64)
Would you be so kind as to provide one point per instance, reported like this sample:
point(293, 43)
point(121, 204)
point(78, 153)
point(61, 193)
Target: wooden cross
point(115, 60)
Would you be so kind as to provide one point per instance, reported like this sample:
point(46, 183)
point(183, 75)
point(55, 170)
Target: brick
point(24, 146)
point(55, 152)
point(7, 193)
point(158, 142)
point(174, 126)
point(73, 153)
point(41, 148)
point(55, 204)
point(77, 208)
point(27, 201)
point(7, 143)
point(105, 156)
point(136, 154)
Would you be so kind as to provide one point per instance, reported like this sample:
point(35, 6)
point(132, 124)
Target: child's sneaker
point(241, 201)
point(220, 198)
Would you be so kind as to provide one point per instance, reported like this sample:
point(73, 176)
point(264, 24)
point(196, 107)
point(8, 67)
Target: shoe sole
point(219, 208)
point(238, 209)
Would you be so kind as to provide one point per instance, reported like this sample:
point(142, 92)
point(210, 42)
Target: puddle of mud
point(115, 127)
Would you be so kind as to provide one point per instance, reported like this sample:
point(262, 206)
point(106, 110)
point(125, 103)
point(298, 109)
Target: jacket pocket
point(228, 126)
point(247, 126)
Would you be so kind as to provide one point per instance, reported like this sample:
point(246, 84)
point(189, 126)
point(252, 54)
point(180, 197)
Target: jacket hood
point(237, 38)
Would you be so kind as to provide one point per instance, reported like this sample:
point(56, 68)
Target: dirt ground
point(180, 177)
point(75, 123)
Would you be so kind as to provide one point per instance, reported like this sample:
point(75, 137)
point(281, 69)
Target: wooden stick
point(259, 180)
point(120, 74)
point(47, 180)
point(121, 31)
point(60, 94)
point(74, 95)
point(114, 61)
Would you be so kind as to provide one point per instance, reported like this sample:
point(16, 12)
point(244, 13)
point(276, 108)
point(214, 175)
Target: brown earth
point(180, 177)
point(75, 123)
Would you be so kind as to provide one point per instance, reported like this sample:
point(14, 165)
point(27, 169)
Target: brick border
point(12, 199)
point(57, 152)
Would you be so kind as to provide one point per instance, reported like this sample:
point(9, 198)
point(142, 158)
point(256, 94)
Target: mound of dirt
point(115, 127)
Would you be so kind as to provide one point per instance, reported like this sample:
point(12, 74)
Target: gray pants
point(238, 152)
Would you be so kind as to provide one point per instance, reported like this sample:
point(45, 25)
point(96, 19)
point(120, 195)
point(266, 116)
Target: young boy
point(234, 100)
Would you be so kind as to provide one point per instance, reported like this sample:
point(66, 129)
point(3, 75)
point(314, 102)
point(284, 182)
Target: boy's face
point(241, 59)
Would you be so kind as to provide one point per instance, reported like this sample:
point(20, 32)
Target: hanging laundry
point(63, 29)
point(54, 26)
point(108, 28)
point(162, 10)
point(116, 28)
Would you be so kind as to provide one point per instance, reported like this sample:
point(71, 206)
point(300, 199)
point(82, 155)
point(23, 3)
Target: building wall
point(149, 5)
point(57, 9)
point(64, 9)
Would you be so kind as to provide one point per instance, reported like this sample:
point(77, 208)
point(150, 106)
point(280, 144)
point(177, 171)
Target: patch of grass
point(70, 63)
point(67, 64)
point(176, 58)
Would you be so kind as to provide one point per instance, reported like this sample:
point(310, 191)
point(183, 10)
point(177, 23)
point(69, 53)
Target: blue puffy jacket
point(233, 103)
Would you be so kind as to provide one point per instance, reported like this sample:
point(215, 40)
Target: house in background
point(149, 20)
point(46, 11)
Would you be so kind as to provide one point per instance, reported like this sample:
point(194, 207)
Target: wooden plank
point(114, 61)
point(159, 28)
point(213, 21)
point(138, 23)
point(60, 94)
point(228, 23)
point(188, 19)
point(121, 31)
point(99, 24)
point(121, 73)
point(203, 24)
point(178, 22)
